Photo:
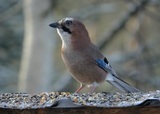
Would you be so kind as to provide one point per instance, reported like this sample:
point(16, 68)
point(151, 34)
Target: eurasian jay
point(83, 59)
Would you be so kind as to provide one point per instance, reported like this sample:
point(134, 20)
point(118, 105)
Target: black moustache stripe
point(66, 29)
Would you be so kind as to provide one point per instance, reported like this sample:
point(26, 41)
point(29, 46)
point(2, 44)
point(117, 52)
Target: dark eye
point(68, 23)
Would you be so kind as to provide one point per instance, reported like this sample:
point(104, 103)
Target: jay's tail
point(113, 78)
point(120, 84)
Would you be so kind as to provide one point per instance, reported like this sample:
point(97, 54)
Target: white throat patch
point(65, 37)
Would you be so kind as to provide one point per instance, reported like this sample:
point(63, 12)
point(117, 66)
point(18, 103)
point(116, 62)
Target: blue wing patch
point(105, 66)
point(100, 63)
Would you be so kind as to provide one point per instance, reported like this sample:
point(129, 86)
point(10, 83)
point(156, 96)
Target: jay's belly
point(82, 66)
point(86, 72)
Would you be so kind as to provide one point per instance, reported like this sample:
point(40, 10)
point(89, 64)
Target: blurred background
point(126, 31)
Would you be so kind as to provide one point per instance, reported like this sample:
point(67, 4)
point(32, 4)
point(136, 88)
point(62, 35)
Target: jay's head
point(71, 29)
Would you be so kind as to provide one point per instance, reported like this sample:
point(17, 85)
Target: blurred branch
point(11, 11)
point(153, 15)
point(91, 10)
point(119, 25)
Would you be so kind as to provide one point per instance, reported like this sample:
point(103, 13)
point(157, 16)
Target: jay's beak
point(55, 25)
point(59, 26)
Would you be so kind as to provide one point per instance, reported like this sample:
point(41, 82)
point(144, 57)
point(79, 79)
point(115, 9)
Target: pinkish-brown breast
point(81, 64)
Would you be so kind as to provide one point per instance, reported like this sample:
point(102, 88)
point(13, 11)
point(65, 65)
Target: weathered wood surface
point(85, 110)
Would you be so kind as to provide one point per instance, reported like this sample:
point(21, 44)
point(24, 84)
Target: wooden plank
point(85, 110)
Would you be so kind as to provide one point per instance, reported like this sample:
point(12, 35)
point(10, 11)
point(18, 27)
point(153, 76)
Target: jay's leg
point(80, 88)
point(92, 89)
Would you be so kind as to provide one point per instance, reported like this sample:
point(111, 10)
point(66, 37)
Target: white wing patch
point(109, 77)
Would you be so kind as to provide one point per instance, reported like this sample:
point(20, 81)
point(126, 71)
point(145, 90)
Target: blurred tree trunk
point(37, 60)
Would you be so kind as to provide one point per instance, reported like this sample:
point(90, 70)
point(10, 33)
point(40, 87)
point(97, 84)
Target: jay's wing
point(113, 78)
point(104, 64)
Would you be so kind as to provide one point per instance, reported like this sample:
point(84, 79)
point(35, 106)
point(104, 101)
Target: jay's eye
point(68, 23)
